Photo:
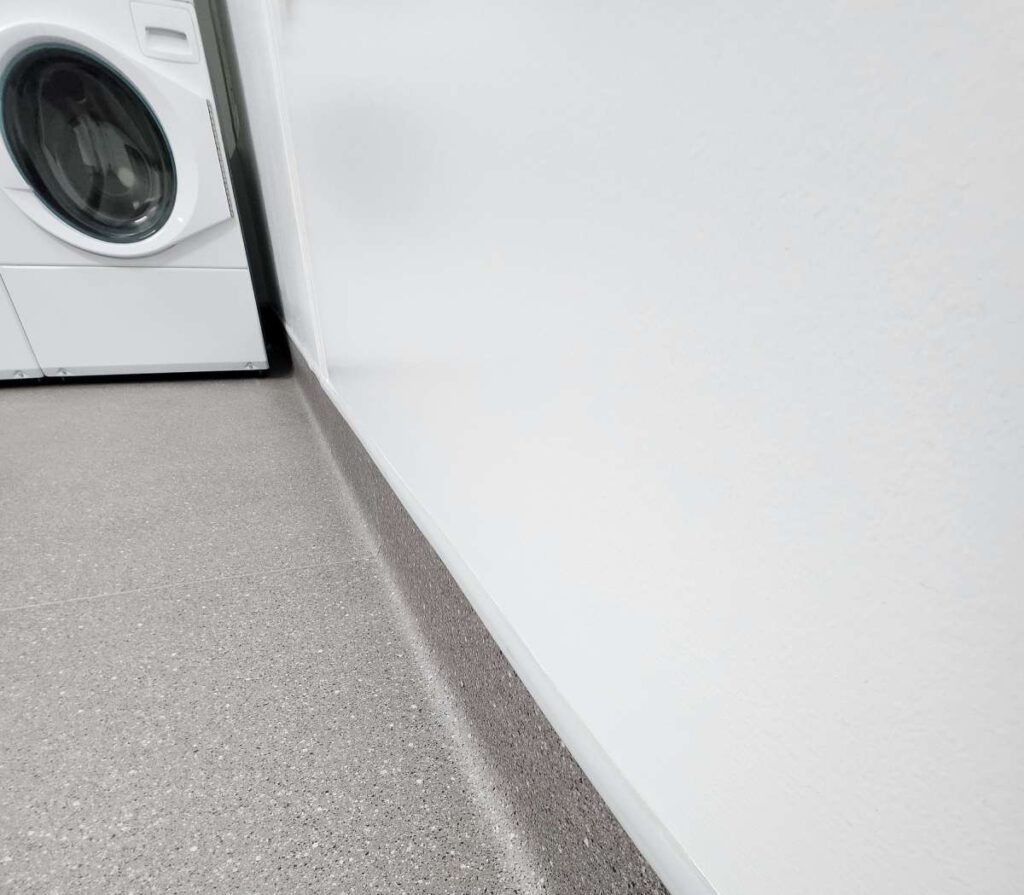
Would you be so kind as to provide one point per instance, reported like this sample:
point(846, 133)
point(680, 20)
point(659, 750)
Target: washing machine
point(120, 245)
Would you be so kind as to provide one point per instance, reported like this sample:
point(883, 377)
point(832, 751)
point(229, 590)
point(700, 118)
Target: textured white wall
point(692, 335)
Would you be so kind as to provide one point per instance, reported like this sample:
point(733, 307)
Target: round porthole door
point(87, 143)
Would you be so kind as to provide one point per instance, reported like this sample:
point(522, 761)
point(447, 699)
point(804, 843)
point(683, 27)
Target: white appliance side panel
point(16, 358)
point(107, 320)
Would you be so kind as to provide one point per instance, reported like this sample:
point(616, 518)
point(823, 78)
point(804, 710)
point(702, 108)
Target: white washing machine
point(120, 248)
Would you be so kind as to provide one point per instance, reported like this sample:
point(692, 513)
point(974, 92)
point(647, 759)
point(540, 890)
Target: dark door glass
point(88, 144)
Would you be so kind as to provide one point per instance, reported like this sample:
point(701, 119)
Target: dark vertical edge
point(229, 100)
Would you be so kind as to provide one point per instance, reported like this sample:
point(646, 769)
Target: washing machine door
point(102, 149)
point(88, 143)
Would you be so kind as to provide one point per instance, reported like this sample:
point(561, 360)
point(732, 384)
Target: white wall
point(692, 335)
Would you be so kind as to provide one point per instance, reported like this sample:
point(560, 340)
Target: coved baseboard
point(564, 822)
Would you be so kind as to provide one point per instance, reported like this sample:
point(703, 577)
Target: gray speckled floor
point(205, 682)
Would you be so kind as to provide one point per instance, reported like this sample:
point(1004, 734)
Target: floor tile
point(260, 734)
point(114, 486)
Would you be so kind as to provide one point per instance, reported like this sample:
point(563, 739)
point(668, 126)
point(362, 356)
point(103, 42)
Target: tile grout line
point(189, 582)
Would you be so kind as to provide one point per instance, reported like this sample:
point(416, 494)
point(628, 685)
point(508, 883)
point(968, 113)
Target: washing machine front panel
point(157, 139)
point(119, 248)
point(17, 360)
point(96, 321)
point(88, 144)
